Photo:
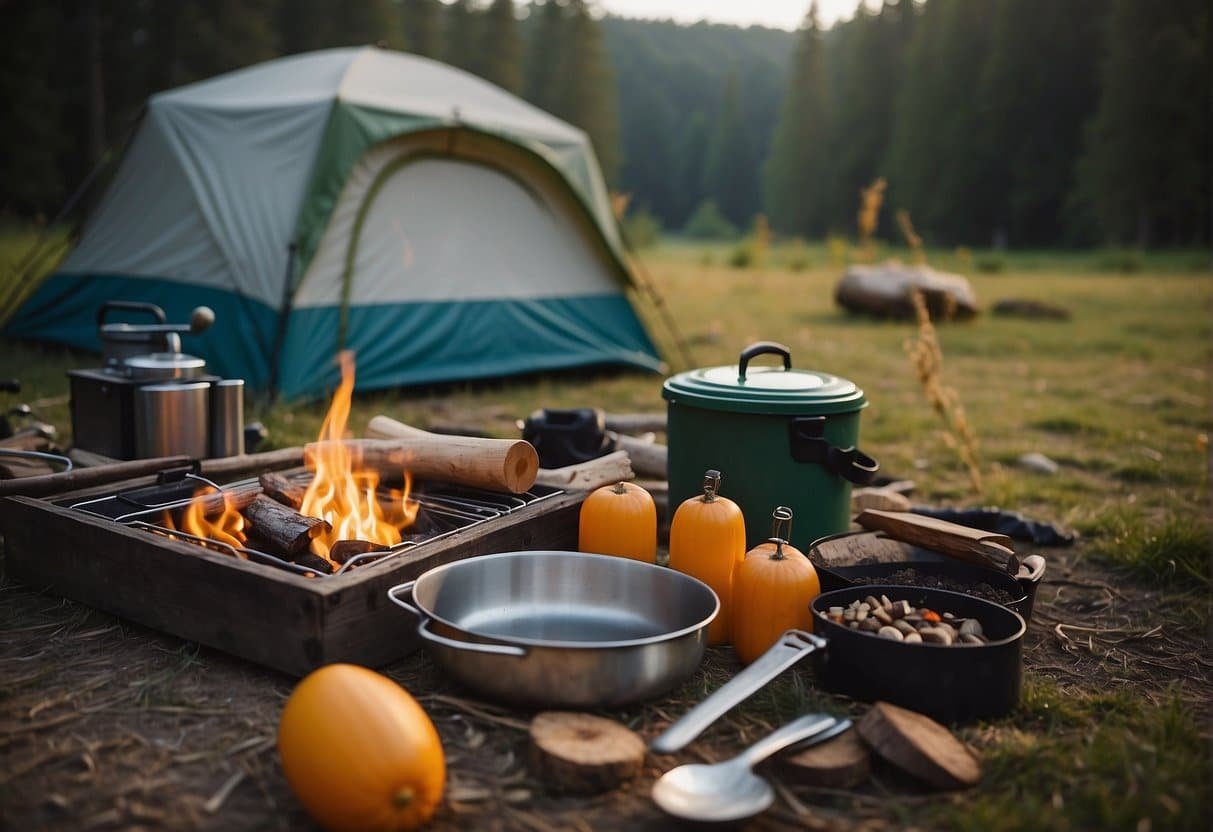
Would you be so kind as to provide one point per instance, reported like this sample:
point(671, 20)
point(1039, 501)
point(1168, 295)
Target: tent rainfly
point(356, 198)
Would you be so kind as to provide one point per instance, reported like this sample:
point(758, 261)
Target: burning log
point(285, 528)
point(213, 504)
point(343, 550)
point(283, 490)
point(495, 464)
point(314, 562)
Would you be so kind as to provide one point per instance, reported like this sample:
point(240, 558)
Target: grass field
point(1119, 396)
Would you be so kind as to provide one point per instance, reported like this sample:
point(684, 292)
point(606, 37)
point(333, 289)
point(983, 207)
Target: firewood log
point(278, 487)
point(495, 464)
point(920, 746)
point(648, 458)
point(285, 528)
point(586, 476)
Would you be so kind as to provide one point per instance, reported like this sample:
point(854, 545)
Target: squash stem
point(620, 488)
point(403, 797)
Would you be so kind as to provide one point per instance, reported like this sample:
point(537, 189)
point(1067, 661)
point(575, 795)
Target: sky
point(781, 14)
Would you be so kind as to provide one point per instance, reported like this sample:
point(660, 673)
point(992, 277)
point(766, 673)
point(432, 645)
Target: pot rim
point(623, 563)
point(878, 589)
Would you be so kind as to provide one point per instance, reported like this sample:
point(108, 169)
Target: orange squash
point(619, 520)
point(707, 541)
point(359, 752)
point(772, 590)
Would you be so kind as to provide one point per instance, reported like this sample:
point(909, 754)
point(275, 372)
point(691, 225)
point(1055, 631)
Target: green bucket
point(779, 436)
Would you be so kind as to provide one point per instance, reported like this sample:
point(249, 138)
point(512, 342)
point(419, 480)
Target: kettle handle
point(762, 348)
point(129, 306)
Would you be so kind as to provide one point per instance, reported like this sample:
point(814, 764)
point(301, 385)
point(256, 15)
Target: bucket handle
point(762, 348)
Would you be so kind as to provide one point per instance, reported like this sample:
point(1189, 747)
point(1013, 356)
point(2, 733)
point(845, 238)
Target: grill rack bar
point(461, 508)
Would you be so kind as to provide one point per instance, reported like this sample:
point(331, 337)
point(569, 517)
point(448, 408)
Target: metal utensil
point(730, 791)
point(792, 646)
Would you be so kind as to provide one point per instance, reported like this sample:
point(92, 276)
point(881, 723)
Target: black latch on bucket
point(807, 443)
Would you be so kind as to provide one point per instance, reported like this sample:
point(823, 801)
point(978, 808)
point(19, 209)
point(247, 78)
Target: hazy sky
point(783, 14)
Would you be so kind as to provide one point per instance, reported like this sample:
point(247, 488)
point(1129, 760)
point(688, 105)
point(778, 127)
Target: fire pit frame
point(252, 610)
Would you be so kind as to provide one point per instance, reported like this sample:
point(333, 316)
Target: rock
point(913, 638)
point(1038, 463)
point(1034, 309)
point(936, 635)
point(904, 627)
point(970, 626)
point(886, 291)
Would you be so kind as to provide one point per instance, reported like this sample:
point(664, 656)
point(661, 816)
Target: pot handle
point(129, 306)
point(423, 628)
point(1035, 566)
point(807, 443)
point(762, 348)
point(791, 647)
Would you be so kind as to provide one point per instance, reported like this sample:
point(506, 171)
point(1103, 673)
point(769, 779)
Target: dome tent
point(356, 198)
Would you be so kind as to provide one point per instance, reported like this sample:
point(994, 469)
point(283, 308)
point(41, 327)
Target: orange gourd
point(619, 520)
point(772, 590)
point(707, 541)
point(359, 752)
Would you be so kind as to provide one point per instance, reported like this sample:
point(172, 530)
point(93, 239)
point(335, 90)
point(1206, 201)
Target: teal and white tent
point(356, 198)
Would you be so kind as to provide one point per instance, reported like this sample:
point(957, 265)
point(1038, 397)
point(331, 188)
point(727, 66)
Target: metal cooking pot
point(163, 366)
point(562, 629)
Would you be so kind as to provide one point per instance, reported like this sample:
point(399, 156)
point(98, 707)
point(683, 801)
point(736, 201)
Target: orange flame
point(227, 527)
point(344, 493)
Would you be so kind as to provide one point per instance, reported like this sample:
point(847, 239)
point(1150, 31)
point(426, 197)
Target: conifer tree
point(586, 95)
point(421, 26)
point(726, 177)
point(796, 174)
point(500, 52)
point(544, 55)
point(1145, 173)
point(462, 36)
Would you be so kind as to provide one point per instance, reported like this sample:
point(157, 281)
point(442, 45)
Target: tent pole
point(645, 281)
point(284, 314)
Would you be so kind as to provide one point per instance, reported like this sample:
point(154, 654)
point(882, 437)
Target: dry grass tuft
point(927, 357)
point(918, 254)
point(870, 200)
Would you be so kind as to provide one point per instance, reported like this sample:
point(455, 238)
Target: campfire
point(340, 513)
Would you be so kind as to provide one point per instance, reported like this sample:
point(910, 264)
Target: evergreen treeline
point(1002, 122)
point(1018, 122)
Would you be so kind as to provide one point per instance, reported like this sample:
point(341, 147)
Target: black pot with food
point(950, 682)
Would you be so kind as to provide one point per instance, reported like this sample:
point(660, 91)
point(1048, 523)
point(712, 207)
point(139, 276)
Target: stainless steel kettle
point(120, 341)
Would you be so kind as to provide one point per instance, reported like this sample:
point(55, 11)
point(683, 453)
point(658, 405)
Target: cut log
point(583, 754)
point(840, 763)
point(278, 487)
point(648, 458)
point(635, 422)
point(988, 549)
point(586, 476)
point(919, 746)
point(285, 528)
point(313, 561)
point(495, 464)
point(343, 550)
point(214, 504)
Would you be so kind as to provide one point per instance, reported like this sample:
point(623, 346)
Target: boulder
point(885, 291)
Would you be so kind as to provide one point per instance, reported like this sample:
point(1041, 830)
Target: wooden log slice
point(583, 754)
point(920, 746)
point(840, 763)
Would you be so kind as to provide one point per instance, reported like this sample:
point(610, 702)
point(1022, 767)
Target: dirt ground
point(107, 725)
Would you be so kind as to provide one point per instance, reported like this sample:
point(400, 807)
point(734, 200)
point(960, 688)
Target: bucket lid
point(739, 388)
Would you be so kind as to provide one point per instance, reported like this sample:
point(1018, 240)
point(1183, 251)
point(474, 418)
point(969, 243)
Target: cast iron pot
point(1021, 588)
point(954, 683)
point(562, 629)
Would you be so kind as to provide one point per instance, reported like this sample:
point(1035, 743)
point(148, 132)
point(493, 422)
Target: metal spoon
point(730, 791)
